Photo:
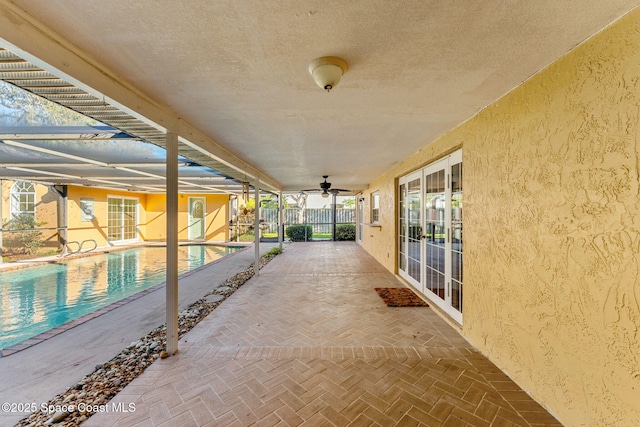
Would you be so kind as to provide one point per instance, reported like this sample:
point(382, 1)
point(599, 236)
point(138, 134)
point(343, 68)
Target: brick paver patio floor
point(309, 342)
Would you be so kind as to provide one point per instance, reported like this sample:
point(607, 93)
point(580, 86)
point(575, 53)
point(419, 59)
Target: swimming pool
point(36, 299)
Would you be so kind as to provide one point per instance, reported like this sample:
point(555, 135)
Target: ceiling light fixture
point(327, 71)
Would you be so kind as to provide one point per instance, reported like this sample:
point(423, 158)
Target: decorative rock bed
point(96, 389)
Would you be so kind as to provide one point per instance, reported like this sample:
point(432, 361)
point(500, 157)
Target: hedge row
point(303, 233)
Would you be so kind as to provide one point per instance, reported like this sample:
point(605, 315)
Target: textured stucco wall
point(46, 212)
point(79, 230)
point(552, 230)
point(216, 221)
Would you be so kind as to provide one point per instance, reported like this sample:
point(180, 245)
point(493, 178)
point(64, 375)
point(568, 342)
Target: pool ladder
point(67, 252)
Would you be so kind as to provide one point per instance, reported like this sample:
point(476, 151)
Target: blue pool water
point(36, 299)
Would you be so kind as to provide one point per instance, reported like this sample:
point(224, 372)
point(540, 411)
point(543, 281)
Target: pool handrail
point(67, 252)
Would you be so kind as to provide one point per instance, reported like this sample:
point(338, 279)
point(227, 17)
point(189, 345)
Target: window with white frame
point(23, 199)
point(375, 207)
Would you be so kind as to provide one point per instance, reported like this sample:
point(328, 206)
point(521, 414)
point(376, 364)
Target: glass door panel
point(402, 228)
point(410, 228)
point(435, 198)
point(114, 219)
point(414, 223)
point(130, 219)
point(456, 236)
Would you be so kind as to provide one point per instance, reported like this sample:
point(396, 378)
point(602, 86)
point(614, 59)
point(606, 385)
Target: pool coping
point(56, 259)
point(43, 336)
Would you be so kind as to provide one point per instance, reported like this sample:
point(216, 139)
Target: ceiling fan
point(325, 187)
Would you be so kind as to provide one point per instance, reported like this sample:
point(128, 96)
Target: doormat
point(400, 297)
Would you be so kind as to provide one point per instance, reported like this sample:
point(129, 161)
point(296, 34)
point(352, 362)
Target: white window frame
point(375, 207)
point(17, 190)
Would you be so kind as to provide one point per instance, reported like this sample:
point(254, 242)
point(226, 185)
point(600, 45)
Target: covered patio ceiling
point(230, 76)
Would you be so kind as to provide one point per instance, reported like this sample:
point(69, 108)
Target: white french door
point(430, 232)
point(122, 219)
point(410, 197)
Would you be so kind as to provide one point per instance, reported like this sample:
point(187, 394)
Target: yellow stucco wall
point(46, 212)
point(80, 230)
point(552, 230)
point(151, 214)
point(216, 220)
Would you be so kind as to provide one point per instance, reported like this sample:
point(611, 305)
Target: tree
point(19, 107)
point(271, 202)
point(349, 202)
point(24, 233)
point(301, 204)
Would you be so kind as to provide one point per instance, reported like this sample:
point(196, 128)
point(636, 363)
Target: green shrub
point(29, 240)
point(346, 232)
point(299, 232)
point(273, 252)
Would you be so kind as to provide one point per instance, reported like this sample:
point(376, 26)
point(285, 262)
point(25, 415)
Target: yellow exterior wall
point(79, 230)
point(151, 214)
point(552, 230)
point(46, 212)
point(216, 220)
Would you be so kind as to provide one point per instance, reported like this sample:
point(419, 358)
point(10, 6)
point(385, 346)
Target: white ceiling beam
point(38, 44)
point(61, 175)
point(55, 153)
point(85, 160)
point(111, 165)
point(74, 133)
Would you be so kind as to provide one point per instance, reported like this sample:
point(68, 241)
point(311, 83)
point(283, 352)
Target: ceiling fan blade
point(325, 188)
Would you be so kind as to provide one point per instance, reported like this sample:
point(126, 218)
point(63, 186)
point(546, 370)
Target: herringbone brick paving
point(309, 342)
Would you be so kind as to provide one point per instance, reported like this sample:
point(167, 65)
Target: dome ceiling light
point(327, 71)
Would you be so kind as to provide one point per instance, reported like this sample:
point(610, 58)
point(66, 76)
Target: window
point(23, 199)
point(375, 207)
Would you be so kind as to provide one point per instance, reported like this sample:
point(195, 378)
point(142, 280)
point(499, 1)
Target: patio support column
point(335, 212)
point(63, 217)
point(172, 243)
point(1, 220)
point(256, 226)
point(280, 219)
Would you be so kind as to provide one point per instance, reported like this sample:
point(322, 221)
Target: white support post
point(172, 243)
point(1, 220)
point(334, 211)
point(280, 220)
point(63, 216)
point(256, 226)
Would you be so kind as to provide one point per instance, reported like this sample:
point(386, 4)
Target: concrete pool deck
point(38, 373)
